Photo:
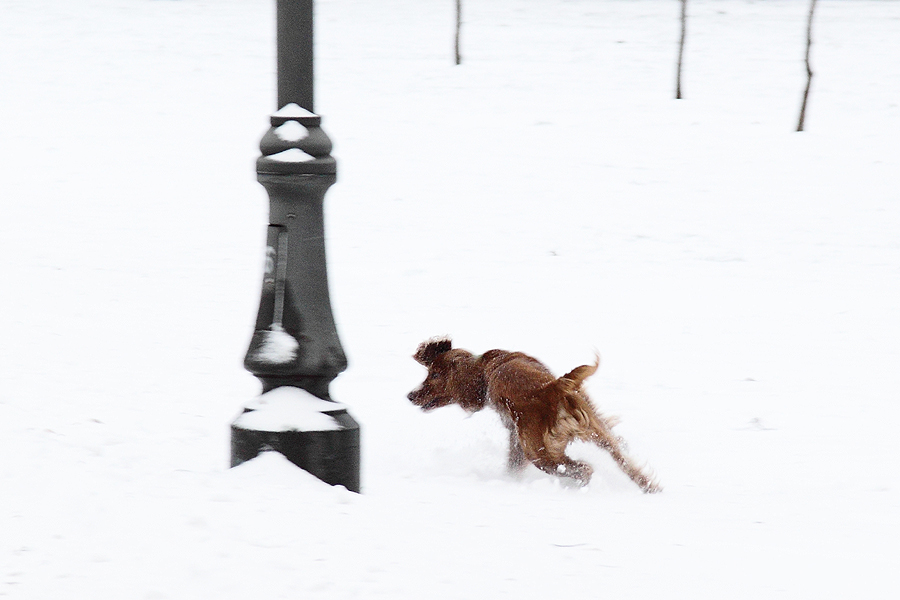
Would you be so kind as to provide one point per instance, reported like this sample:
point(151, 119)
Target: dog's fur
point(544, 414)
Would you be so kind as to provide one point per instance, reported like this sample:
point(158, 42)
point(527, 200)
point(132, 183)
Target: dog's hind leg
point(611, 444)
point(551, 458)
point(563, 466)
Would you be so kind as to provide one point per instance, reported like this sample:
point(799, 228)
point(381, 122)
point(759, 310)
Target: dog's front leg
point(516, 459)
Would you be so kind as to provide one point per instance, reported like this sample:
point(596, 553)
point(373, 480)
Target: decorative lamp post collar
point(295, 144)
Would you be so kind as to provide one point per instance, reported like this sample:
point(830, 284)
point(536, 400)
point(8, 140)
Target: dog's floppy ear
point(428, 351)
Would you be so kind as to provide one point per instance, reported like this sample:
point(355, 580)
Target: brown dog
point(544, 414)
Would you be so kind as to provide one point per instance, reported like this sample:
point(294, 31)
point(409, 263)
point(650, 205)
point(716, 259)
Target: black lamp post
point(295, 351)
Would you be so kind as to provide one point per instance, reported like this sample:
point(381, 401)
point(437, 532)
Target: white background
point(549, 195)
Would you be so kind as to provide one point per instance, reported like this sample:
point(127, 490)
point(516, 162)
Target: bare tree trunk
point(809, 73)
point(458, 27)
point(681, 48)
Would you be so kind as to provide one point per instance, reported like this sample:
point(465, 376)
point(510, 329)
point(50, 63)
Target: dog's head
point(454, 377)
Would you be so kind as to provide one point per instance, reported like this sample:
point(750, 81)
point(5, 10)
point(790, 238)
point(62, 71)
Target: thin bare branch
point(681, 48)
point(809, 73)
point(458, 27)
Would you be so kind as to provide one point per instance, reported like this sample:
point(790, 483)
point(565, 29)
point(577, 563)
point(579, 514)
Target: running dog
point(543, 413)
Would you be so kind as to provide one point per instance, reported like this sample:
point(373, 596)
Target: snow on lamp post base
point(316, 435)
point(295, 351)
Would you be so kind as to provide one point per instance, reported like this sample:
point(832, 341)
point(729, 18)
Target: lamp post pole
point(294, 24)
point(295, 350)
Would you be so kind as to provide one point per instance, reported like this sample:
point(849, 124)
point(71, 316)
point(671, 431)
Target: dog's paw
point(580, 471)
point(652, 487)
point(648, 484)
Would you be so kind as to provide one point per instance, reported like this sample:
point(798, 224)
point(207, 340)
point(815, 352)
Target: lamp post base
point(316, 435)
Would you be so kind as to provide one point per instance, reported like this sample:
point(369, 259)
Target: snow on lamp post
point(295, 351)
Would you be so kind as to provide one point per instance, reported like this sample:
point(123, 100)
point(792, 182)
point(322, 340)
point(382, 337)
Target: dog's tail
point(592, 424)
point(576, 410)
point(588, 424)
point(572, 381)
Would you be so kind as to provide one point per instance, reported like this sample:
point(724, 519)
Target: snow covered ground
point(740, 280)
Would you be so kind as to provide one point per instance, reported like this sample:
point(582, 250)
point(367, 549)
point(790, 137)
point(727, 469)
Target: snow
point(548, 195)
point(278, 346)
point(293, 110)
point(289, 409)
point(291, 131)
point(292, 155)
point(287, 395)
